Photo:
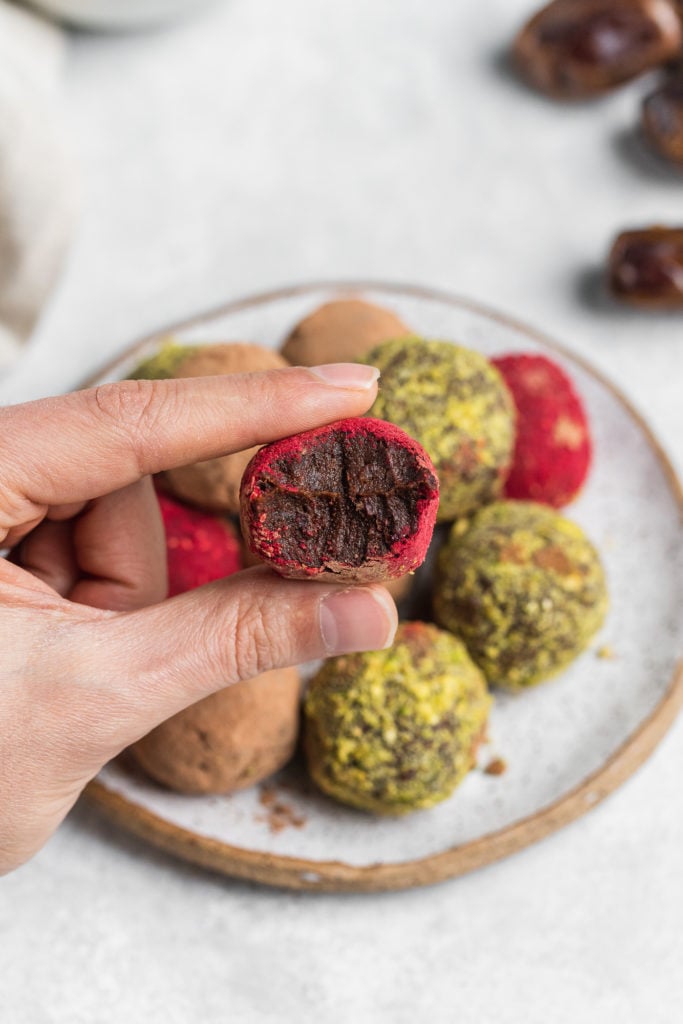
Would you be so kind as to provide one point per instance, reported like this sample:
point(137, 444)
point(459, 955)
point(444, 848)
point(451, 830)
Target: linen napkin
point(37, 179)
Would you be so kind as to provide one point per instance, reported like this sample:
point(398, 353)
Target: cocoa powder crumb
point(279, 814)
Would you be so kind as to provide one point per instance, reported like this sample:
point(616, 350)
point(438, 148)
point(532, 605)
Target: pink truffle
point(200, 548)
point(355, 500)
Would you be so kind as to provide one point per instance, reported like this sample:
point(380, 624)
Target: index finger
point(89, 443)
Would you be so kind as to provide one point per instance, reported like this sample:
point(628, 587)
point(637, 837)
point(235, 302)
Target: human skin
point(93, 657)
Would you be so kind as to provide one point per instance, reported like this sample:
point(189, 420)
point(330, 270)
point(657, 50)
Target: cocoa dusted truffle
point(228, 741)
point(355, 500)
point(214, 484)
point(553, 447)
point(457, 406)
point(200, 548)
point(524, 589)
point(573, 49)
point(396, 730)
point(339, 332)
point(242, 734)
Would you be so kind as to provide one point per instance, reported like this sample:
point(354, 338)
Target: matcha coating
point(213, 485)
point(341, 331)
point(397, 730)
point(525, 590)
point(457, 406)
point(164, 364)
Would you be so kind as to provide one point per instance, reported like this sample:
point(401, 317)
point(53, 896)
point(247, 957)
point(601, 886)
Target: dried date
point(662, 120)
point(645, 268)
point(573, 49)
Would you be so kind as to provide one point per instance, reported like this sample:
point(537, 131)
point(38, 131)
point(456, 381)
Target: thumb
point(154, 662)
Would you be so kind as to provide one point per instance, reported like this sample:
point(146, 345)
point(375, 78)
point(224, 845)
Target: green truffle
point(456, 404)
point(393, 731)
point(524, 588)
point(164, 364)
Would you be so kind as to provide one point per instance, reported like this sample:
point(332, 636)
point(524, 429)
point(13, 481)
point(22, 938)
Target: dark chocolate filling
point(348, 498)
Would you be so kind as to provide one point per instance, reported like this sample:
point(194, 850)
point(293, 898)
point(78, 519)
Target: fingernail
point(363, 619)
point(347, 375)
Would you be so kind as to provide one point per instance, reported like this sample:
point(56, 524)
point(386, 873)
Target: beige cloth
point(37, 181)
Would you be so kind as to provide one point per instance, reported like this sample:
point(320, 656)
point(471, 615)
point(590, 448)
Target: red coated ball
point(200, 548)
point(354, 500)
point(553, 449)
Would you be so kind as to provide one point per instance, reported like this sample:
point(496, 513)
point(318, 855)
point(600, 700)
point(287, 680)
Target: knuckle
point(264, 392)
point(134, 407)
point(252, 641)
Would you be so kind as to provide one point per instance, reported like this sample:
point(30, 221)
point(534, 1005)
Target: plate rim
point(299, 873)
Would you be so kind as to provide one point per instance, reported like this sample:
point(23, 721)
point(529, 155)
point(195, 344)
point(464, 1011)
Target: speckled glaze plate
point(567, 744)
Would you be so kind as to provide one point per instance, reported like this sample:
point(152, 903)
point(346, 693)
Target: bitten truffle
point(397, 730)
point(200, 548)
point(573, 49)
point(553, 448)
point(214, 484)
point(228, 741)
point(457, 406)
point(355, 500)
point(524, 589)
point(340, 332)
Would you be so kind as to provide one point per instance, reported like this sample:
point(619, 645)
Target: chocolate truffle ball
point(525, 590)
point(393, 731)
point(553, 448)
point(341, 332)
point(200, 548)
point(457, 406)
point(228, 741)
point(214, 484)
point(355, 500)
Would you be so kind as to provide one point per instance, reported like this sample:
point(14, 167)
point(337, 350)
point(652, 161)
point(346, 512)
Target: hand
point(93, 657)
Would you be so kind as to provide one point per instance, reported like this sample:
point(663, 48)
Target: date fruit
point(662, 119)
point(573, 49)
point(645, 268)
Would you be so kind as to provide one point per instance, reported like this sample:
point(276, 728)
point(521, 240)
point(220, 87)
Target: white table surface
point(267, 143)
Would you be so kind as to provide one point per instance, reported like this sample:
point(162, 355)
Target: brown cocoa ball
point(341, 332)
point(573, 49)
point(228, 741)
point(215, 484)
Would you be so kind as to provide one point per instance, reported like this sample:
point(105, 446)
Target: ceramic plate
point(566, 744)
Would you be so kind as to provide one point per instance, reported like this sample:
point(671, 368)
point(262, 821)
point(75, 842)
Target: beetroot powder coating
point(553, 449)
point(200, 548)
point(355, 500)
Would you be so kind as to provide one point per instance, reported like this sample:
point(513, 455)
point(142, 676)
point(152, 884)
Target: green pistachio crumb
point(524, 588)
point(396, 730)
